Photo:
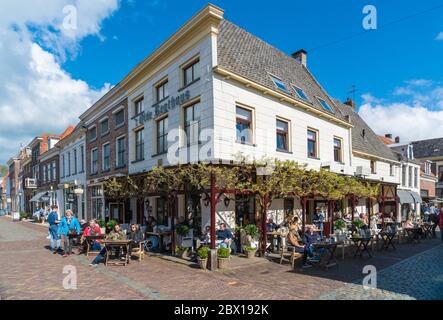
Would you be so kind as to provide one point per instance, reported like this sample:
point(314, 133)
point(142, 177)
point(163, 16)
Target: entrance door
point(244, 210)
point(117, 212)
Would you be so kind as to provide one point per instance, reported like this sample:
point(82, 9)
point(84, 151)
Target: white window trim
point(253, 124)
point(342, 155)
point(92, 160)
point(289, 133)
point(117, 150)
point(103, 156)
point(317, 142)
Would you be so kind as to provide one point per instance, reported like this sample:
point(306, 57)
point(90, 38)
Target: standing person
point(69, 225)
point(440, 224)
point(53, 227)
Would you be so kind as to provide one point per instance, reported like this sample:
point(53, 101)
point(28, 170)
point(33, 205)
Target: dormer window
point(279, 83)
point(325, 105)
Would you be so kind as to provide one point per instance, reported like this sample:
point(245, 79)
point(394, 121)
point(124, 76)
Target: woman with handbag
point(68, 227)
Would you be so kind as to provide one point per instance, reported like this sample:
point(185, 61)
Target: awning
point(37, 197)
point(416, 197)
point(405, 196)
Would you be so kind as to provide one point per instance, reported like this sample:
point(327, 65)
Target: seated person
point(271, 226)
point(152, 243)
point(93, 230)
point(408, 224)
point(135, 235)
point(363, 217)
point(224, 235)
point(206, 236)
point(115, 234)
point(309, 238)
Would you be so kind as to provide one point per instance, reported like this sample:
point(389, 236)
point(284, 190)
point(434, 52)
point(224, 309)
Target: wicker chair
point(139, 251)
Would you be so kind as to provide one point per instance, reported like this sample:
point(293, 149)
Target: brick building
point(106, 155)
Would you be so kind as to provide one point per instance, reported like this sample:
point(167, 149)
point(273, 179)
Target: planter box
point(203, 263)
point(223, 263)
point(250, 254)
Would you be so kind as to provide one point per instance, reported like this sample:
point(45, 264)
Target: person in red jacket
point(93, 230)
point(441, 224)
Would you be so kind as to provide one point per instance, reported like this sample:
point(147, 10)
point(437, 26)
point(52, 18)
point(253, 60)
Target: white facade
point(73, 174)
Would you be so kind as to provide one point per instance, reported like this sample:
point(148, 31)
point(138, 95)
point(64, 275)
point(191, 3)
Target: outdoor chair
point(138, 251)
point(289, 251)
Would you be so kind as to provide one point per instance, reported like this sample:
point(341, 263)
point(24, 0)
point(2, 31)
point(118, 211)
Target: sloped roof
point(364, 138)
point(386, 140)
point(244, 54)
point(428, 148)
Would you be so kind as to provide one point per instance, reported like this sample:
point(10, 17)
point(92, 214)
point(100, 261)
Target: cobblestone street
point(30, 271)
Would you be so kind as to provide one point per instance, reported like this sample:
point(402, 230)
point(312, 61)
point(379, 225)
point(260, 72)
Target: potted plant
point(181, 251)
point(251, 230)
point(250, 252)
point(101, 223)
point(340, 224)
point(111, 224)
point(223, 255)
point(202, 257)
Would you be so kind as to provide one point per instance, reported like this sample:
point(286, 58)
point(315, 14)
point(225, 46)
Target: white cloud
point(439, 36)
point(418, 117)
point(36, 94)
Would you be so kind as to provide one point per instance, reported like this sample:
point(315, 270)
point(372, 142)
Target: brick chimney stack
point(397, 139)
point(350, 102)
point(301, 56)
point(388, 135)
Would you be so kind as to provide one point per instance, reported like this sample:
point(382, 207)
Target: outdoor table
point(387, 238)
point(160, 236)
point(362, 246)
point(413, 234)
point(329, 249)
point(90, 240)
point(117, 244)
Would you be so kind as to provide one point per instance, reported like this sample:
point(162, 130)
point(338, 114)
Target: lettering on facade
point(162, 107)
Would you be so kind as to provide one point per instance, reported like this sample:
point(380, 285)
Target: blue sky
point(376, 62)
point(49, 76)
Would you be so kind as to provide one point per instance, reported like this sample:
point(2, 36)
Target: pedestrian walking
point(54, 237)
point(68, 227)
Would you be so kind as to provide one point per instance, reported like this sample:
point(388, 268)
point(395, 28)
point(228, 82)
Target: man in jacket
point(67, 227)
point(53, 227)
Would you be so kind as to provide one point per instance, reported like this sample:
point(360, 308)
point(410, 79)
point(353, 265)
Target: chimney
point(388, 135)
point(397, 139)
point(301, 56)
point(350, 102)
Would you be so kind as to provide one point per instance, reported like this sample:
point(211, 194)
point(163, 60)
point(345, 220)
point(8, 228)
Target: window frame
point(139, 145)
point(316, 143)
point(279, 84)
point(325, 105)
point(162, 84)
point(287, 137)
point(192, 105)
point(116, 113)
point(101, 127)
point(241, 120)
point(90, 130)
point(118, 151)
point(295, 88)
point(104, 157)
point(341, 154)
point(164, 134)
point(190, 64)
point(92, 161)
point(373, 165)
point(136, 102)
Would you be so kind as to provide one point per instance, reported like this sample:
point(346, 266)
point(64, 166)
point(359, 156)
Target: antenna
point(353, 91)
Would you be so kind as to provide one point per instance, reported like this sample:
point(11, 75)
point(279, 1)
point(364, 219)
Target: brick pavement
point(29, 271)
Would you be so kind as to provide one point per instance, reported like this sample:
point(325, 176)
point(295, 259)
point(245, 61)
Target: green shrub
point(182, 230)
point(180, 249)
point(203, 252)
point(250, 249)
point(111, 224)
point(251, 230)
point(223, 252)
point(101, 223)
point(339, 224)
point(23, 215)
point(358, 223)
